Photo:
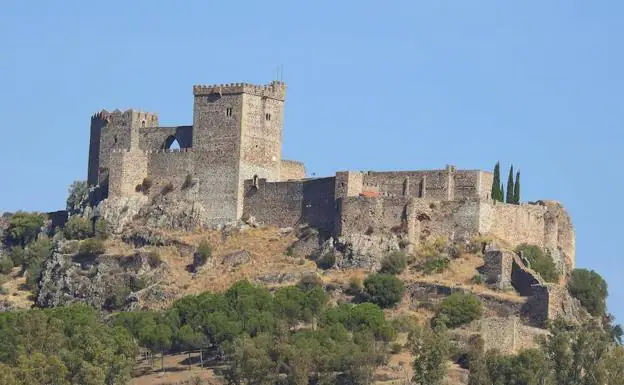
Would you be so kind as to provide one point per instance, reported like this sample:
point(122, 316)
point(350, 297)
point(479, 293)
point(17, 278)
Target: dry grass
point(15, 295)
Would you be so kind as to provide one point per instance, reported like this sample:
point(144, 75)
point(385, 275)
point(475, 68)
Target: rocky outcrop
point(362, 250)
point(119, 212)
point(104, 282)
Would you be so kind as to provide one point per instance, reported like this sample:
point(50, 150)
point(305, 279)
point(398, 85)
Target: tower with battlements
point(236, 135)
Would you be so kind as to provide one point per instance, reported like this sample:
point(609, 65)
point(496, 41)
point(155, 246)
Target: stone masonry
point(230, 161)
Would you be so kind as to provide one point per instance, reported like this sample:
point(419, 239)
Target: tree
point(250, 361)
point(510, 186)
point(77, 197)
point(497, 194)
point(77, 227)
point(502, 193)
point(23, 228)
point(539, 261)
point(394, 263)
point(430, 348)
point(384, 290)
point(590, 289)
point(458, 309)
point(516, 191)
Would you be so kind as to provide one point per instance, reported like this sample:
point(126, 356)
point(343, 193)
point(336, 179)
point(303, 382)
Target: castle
point(230, 161)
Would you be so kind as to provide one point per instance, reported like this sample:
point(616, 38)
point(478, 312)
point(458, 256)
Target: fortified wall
point(230, 161)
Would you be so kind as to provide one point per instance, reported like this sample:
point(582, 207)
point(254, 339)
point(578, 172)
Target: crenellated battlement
point(147, 152)
point(275, 89)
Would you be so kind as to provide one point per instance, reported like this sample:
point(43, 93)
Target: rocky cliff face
point(105, 282)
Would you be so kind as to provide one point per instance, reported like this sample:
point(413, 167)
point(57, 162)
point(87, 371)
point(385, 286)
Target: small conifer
point(516, 194)
point(497, 194)
point(510, 186)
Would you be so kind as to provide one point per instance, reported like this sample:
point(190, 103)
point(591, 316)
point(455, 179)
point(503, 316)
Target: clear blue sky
point(372, 86)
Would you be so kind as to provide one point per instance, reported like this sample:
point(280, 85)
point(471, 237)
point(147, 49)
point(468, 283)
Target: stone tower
point(237, 135)
point(111, 131)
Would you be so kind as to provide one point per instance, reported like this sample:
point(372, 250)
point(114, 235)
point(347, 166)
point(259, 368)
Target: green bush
point(394, 263)
point(476, 279)
point(590, 289)
point(102, 228)
point(435, 265)
point(202, 254)
point(23, 228)
point(77, 228)
point(326, 261)
point(92, 247)
point(6, 264)
point(153, 259)
point(396, 348)
point(355, 285)
point(458, 309)
point(539, 261)
point(188, 182)
point(309, 282)
point(385, 290)
point(78, 197)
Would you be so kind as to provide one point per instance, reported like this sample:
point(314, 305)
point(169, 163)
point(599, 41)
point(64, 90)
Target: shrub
point(77, 197)
point(102, 228)
point(539, 261)
point(145, 186)
point(396, 348)
point(458, 309)
point(4, 290)
point(590, 289)
point(188, 182)
point(476, 279)
point(326, 261)
point(309, 282)
point(385, 290)
point(355, 285)
point(77, 228)
point(167, 189)
point(6, 264)
point(23, 228)
point(202, 254)
point(435, 265)
point(404, 323)
point(91, 247)
point(153, 259)
point(394, 263)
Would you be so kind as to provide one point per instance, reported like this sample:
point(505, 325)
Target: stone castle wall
point(131, 167)
point(292, 170)
point(287, 204)
point(507, 334)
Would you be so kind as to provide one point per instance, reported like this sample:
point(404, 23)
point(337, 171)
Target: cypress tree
point(510, 186)
point(502, 194)
point(516, 194)
point(496, 192)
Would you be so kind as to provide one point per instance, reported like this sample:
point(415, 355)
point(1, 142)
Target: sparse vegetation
point(77, 227)
point(539, 261)
point(102, 229)
point(435, 265)
point(384, 290)
point(458, 309)
point(326, 261)
point(145, 186)
point(92, 247)
point(188, 182)
point(6, 264)
point(394, 263)
point(430, 348)
point(590, 289)
point(202, 255)
point(77, 197)
point(476, 279)
point(167, 188)
point(153, 259)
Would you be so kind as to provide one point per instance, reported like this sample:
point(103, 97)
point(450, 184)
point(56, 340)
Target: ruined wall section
point(291, 203)
point(506, 334)
point(545, 224)
point(158, 138)
point(447, 184)
point(292, 170)
point(170, 167)
point(128, 169)
point(451, 219)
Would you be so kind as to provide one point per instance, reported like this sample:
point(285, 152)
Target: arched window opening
point(255, 181)
point(171, 143)
point(143, 124)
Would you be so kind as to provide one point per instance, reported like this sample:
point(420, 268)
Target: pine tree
point(510, 186)
point(497, 194)
point(516, 193)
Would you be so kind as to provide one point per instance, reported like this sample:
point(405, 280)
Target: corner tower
point(237, 135)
